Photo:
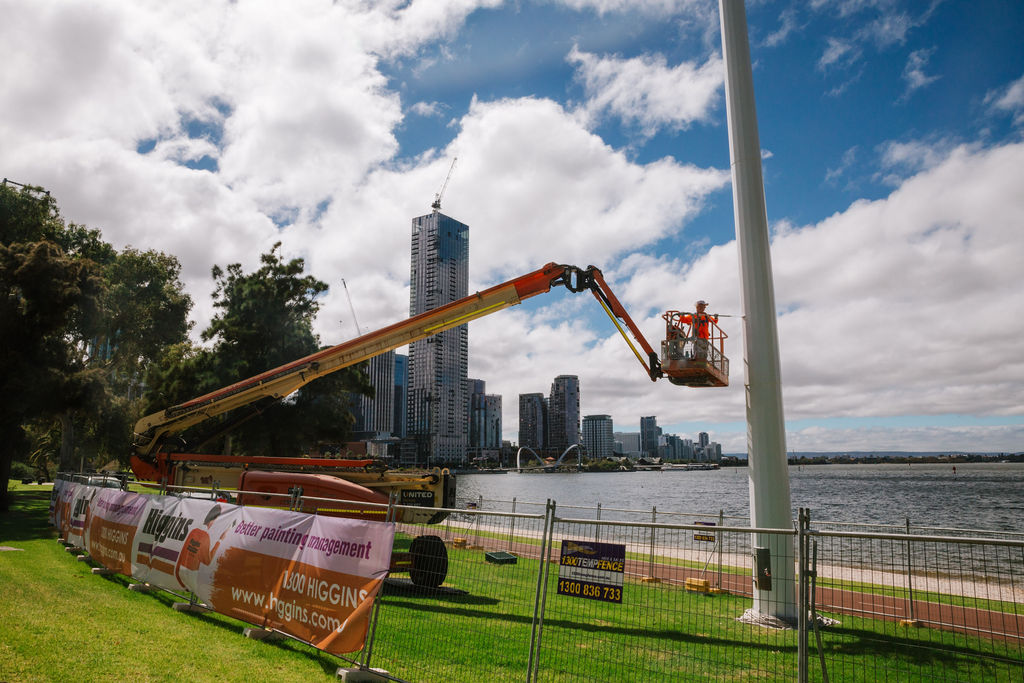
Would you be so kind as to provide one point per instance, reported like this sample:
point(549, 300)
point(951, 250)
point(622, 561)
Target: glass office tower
point(437, 402)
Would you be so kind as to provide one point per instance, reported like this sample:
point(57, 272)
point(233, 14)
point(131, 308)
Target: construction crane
point(359, 331)
point(436, 206)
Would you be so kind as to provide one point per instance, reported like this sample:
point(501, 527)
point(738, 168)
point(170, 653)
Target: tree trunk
point(5, 476)
point(12, 438)
point(67, 442)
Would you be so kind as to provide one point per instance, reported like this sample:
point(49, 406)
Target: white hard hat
point(702, 303)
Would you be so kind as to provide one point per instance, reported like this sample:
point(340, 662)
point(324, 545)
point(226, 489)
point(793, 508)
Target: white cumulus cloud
point(646, 92)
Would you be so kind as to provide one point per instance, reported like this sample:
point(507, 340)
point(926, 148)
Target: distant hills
point(893, 456)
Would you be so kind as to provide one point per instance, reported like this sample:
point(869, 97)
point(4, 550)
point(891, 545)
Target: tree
point(44, 294)
point(79, 324)
point(142, 310)
point(264, 319)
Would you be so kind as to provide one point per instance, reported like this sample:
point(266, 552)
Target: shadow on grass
point(400, 586)
point(28, 518)
point(574, 625)
point(918, 652)
point(328, 663)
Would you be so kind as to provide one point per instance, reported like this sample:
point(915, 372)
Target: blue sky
point(587, 131)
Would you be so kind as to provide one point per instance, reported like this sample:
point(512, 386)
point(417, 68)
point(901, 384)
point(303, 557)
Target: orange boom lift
point(161, 454)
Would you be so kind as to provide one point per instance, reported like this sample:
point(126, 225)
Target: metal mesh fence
point(880, 606)
point(913, 607)
point(478, 624)
point(680, 615)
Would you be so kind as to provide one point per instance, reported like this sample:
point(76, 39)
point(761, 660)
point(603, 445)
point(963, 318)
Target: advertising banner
point(54, 494)
point(161, 530)
point(58, 505)
point(76, 515)
point(592, 570)
point(110, 532)
point(314, 578)
point(62, 507)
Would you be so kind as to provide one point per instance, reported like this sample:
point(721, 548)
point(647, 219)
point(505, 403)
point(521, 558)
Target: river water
point(968, 496)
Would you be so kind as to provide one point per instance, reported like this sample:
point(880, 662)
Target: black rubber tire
point(429, 561)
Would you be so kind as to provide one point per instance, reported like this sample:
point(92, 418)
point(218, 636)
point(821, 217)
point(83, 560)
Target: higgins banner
point(74, 504)
point(60, 506)
point(112, 523)
point(314, 578)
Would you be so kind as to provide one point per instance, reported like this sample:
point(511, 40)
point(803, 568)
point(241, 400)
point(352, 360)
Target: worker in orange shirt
point(196, 550)
point(700, 319)
point(701, 328)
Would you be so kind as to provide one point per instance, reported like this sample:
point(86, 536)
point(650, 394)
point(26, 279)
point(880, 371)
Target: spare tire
point(429, 561)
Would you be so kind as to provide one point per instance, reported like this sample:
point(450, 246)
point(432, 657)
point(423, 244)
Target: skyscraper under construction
point(438, 366)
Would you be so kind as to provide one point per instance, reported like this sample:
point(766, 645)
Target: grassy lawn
point(60, 622)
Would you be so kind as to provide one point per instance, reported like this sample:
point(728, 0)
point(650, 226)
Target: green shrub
point(21, 471)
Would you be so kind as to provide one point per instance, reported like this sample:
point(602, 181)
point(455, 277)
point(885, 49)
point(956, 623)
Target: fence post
point(650, 562)
point(910, 582)
point(364, 656)
point(597, 527)
point(721, 542)
point(540, 597)
point(475, 543)
point(295, 503)
point(802, 593)
point(512, 524)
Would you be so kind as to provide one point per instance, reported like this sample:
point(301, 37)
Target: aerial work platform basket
point(688, 357)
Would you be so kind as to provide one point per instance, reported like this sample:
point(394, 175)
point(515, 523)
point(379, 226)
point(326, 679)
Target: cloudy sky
point(587, 132)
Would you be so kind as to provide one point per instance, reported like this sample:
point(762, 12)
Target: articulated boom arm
point(152, 431)
point(592, 279)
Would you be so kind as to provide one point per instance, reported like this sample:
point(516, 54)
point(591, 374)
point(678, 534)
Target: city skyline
point(596, 432)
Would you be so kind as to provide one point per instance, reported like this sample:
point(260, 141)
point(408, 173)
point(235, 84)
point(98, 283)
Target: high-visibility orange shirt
point(195, 551)
point(700, 322)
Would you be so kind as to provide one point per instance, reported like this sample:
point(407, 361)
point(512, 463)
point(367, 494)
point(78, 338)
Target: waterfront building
point(597, 436)
point(533, 420)
point(649, 433)
point(564, 413)
point(484, 421)
point(437, 402)
point(673, 447)
point(490, 437)
point(400, 392)
point(630, 443)
point(475, 390)
point(376, 416)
